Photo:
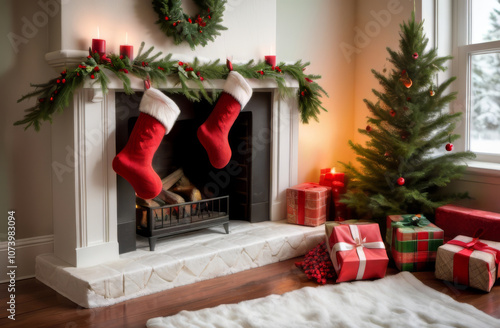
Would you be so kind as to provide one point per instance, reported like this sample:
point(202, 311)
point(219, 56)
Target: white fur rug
point(395, 301)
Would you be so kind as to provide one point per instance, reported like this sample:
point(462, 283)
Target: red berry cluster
point(317, 264)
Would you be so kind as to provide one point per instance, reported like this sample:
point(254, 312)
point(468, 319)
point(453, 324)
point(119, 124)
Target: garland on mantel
point(55, 95)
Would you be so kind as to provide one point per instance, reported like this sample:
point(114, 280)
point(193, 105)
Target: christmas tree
point(409, 156)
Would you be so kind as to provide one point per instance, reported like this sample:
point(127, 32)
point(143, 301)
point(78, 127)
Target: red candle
point(271, 60)
point(329, 175)
point(99, 46)
point(127, 51)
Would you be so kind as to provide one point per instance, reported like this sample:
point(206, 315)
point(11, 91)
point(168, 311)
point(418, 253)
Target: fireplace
point(245, 181)
point(84, 188)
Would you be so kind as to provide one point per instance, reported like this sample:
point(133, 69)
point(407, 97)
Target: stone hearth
point(178, 261)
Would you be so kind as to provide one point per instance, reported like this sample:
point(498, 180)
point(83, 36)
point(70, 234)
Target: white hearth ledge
point(178, 261)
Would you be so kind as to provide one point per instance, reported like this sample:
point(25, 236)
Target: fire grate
point(168, 220)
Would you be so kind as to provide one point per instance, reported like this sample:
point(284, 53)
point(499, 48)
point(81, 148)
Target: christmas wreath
point(195, 30)
point(56, 94)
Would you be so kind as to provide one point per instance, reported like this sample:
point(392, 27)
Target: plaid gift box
point(469, 261)
point(414, 241)
point(308, 204)
point(356, 250)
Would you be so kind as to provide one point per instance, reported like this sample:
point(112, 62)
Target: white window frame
point(443, 28)
point(464, 52)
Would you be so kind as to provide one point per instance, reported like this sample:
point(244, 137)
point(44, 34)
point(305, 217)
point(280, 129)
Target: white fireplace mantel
point(84, 183)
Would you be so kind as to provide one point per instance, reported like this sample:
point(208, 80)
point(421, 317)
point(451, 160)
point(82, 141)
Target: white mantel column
point(83, 182)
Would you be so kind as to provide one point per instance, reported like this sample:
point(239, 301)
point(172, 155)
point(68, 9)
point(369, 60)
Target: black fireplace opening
point(245, 180)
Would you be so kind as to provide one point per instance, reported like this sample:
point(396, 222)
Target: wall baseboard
point(27, 250)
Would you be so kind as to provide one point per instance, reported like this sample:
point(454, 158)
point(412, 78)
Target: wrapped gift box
point(308, 204)
point(457, 220)
point(356, 250)
point(413, 247)
point(469, 261)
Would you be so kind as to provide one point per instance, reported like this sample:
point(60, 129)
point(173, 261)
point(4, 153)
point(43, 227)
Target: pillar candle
point(271, 60)
point(127, 51)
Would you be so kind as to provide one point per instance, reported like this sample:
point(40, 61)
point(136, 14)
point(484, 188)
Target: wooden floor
point(39, 306)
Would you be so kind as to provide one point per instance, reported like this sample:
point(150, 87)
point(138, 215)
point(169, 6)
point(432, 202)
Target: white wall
point(251, 27)
point(376, 28)
point(313, 31)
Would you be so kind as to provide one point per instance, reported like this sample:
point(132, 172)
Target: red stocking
point(213, 133)
point(158, 115)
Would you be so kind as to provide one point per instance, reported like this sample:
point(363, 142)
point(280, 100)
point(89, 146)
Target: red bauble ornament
point(51, 98)
point(58, 81)
point(181, 63)
point(415, 55)
point(401, 181)
point(201, 78)
point(449, 146)
point(63, 80)
point(96, 68)
point(174, 24)
point(261, 72)
point(166, 18)
point(209, 17)
point(92, 76)
point(392, 112)
point(190, 21)
point(368, 128)
point(89, 57)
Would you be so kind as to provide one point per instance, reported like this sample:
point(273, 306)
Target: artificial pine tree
point(408, 157)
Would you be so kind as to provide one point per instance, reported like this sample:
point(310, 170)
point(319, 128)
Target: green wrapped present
point(414, 241)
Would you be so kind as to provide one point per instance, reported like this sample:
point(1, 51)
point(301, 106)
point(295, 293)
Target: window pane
point(485, 20)
point(485, 103)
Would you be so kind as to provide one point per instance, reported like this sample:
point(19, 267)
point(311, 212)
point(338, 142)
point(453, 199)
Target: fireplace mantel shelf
point(62, 59)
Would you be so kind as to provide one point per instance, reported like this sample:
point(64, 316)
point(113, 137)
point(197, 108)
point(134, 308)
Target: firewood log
point(172, 179)
point(170, 197)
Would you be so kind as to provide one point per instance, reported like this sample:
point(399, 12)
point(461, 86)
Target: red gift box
point(308, 204)
point(457, 220)
point(356, 250)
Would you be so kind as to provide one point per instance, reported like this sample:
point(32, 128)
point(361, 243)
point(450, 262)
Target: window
point(478, 68)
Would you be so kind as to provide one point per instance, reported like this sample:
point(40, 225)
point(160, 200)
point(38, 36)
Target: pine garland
point(55, 95)
point(196, 30)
